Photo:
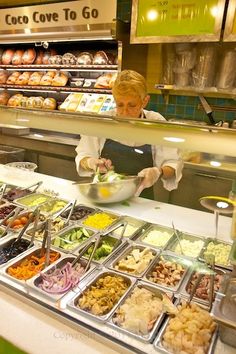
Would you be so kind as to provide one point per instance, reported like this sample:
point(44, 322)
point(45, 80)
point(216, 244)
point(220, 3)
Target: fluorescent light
point(174, 139)
point(215, 163)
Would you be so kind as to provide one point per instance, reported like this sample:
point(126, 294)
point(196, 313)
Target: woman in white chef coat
point(149, 161)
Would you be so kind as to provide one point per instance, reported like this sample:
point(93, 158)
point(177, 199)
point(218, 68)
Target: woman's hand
point(151, 175)
point(102, 165)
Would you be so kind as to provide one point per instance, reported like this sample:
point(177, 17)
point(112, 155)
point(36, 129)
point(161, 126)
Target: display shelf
point(168, 89)
point(37, 67)
point(63, 89)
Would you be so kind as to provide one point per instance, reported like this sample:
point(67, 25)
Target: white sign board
point(65, 14)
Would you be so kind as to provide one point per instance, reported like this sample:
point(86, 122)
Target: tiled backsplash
point(186, 107)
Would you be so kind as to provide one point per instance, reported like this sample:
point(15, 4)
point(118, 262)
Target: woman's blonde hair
point(129, 82)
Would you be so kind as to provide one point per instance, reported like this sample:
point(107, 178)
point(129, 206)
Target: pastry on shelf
point(23, 78)
point(84, 58)
point(103, 58)
point(47, 78)
point(68, 59)
point(39, 57)
point(7, 56)
point(55, 60)
point(1, 53)
point(3, 76)
point(35, 78)
point(49, 103)
point(13, 77)
point(17, 57)
point(60, 79)
point(28, 56)
point(4, 97)
point(14, 101)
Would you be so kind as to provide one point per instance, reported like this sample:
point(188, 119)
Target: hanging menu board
point(230, 24)
point(156, 21)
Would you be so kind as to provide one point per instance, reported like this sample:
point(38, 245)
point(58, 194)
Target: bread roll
point(3, 76)
point(23, 102)
point(17, 57)
point(4, 97)
point(49, 103)
point(29, 56)
point(7, 56)
point(14, 101)
point(103, 81)
point(13, 77)
point(23, 78)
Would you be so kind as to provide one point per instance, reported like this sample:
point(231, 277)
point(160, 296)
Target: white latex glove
point(150, 175)
point(103, 165)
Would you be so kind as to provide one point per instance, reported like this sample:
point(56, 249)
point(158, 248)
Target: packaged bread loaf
point(14, 101)
point(55, 60)
point(39, 57)
point(47, 55)
point(49, 103)
point(68, 59)
point(7, 56)
point(60, 79)
point(13, 77)
point(3, 76)
point(23, 78)
point(103, 58)
point(17, 57)
point(4, 97)
point(38, 102)
point(35, 78)
point(47, 78)
point(103, 81)
point(30, 102)
point(84, 58)
point(23, 102)
point(29, 56)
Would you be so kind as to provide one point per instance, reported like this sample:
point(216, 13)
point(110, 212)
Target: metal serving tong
point(46, 244)
point(71, 206)
point(34, 229)
point(14, 214)
point(178, 235)
point(97, 240)
point(36, 185)
point(2, 190)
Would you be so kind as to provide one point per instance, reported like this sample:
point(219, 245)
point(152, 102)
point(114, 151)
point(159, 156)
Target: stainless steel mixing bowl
point(110, 192)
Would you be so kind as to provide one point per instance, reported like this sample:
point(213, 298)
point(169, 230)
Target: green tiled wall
point(183, 107)
point(186, 107)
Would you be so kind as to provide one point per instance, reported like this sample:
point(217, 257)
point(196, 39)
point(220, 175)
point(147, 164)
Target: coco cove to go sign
point(58, 14)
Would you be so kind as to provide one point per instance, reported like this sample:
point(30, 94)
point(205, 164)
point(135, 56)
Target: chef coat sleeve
point(89, 146)
point(167, 156)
